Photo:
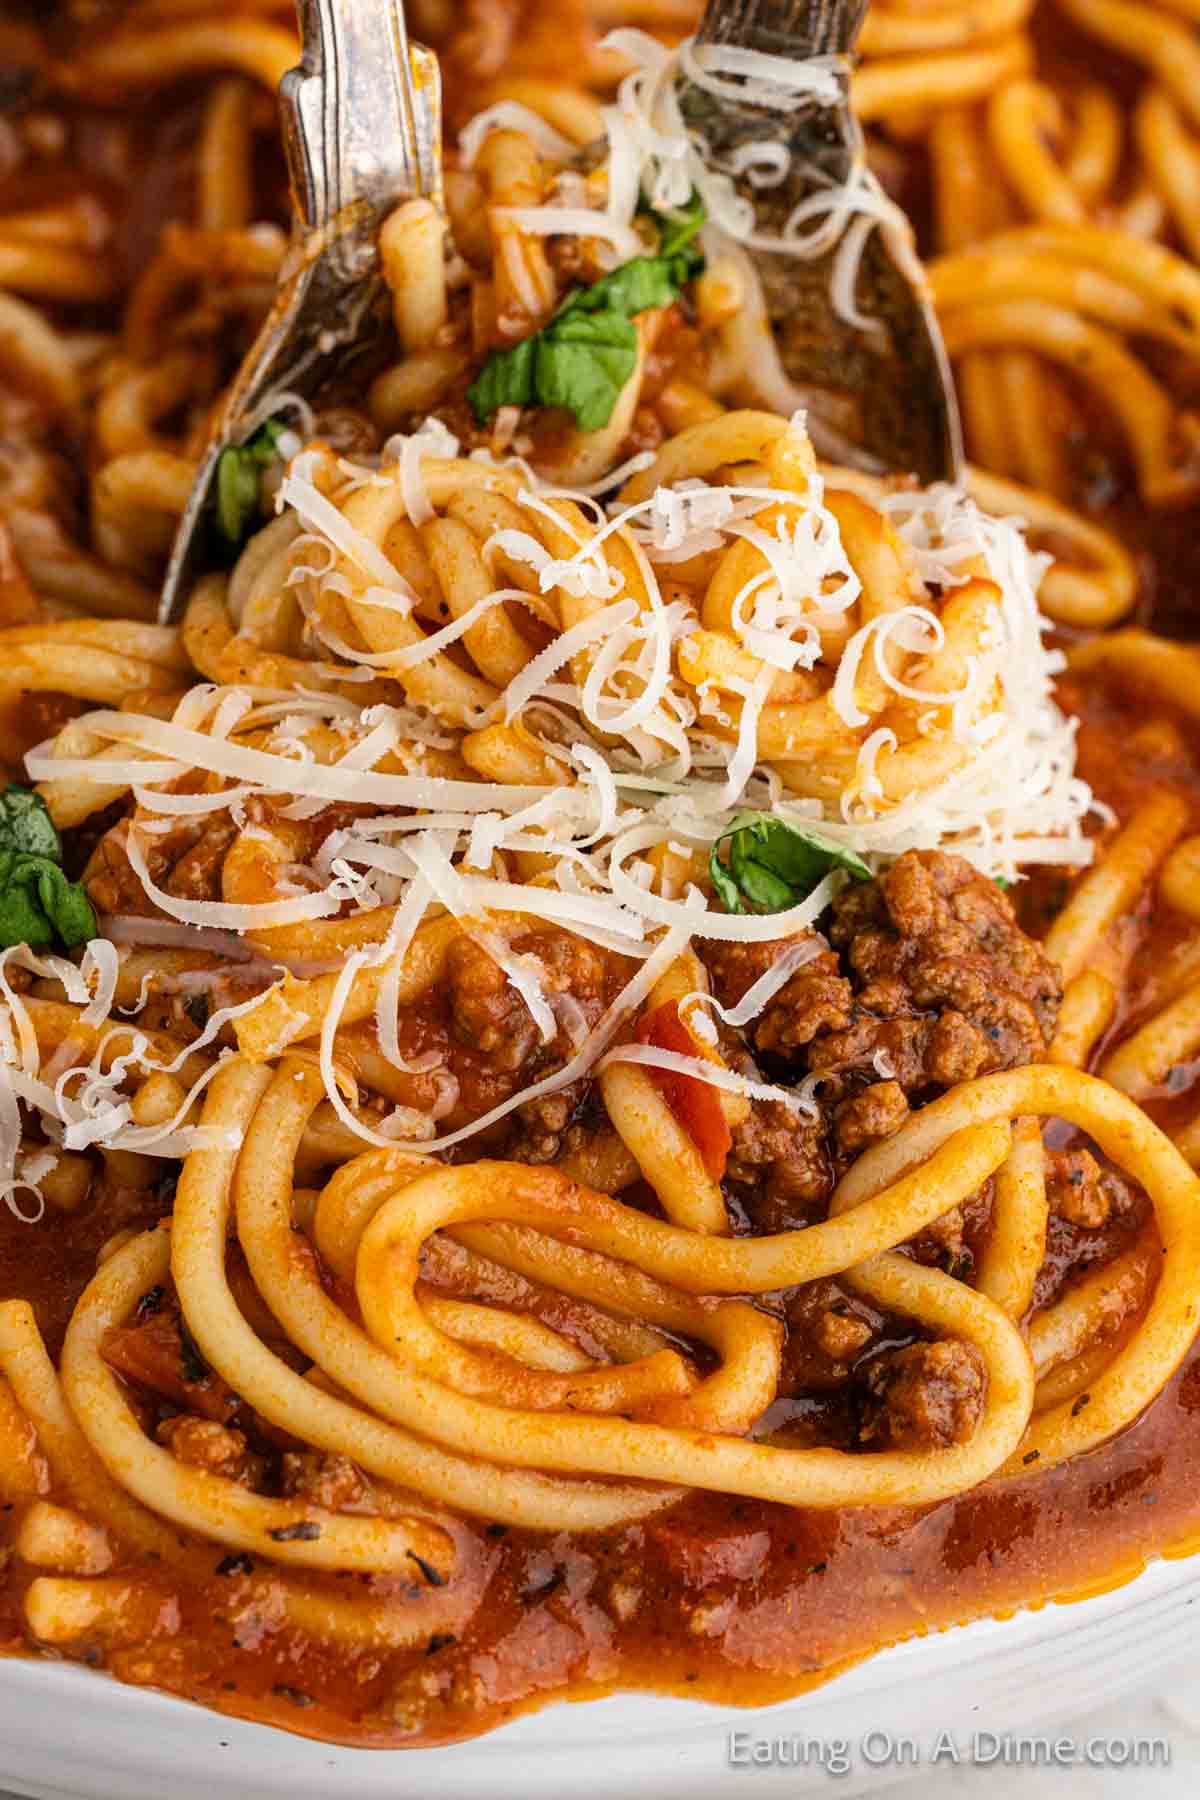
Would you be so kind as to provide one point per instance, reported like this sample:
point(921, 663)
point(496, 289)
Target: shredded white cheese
point(643, 769)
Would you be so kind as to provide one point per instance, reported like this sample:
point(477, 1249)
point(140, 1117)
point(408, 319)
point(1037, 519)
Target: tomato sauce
point(737, 1601)
point(732, 1600)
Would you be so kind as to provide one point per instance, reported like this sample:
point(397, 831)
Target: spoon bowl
point(845, 297)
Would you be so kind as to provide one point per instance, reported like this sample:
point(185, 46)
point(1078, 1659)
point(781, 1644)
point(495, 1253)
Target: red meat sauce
point(734, 1600)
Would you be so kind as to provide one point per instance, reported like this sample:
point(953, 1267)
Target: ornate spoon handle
point(797, 28)
point(361, 114)
point(362, 128)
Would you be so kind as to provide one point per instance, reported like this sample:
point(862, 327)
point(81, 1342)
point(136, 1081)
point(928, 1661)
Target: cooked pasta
point(615, 1003)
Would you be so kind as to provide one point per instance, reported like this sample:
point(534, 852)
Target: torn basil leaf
point(580, 361)
point(586, 363)
point(678, 227)
point(38, 905)
point(26, 825)
point(587, 352)
point(238, 470)
point(632, 288)
point(724, 885)
point(506, 379)
point(770, 865)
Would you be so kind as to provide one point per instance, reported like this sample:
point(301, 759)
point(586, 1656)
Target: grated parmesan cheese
point(638, 772)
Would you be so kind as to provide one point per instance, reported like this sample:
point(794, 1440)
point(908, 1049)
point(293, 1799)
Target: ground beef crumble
point(1080, 1191)
point(1094, 1214)
point(494, 1049)
point(928, 980)
point(926, 1396)
point(925, 980)
point(779, 1167)
point(816, 998)
point(322, 1478)
point(934, 944)
point(186, 862)
point(216, 1449)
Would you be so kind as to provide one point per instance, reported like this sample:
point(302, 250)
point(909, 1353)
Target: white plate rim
point(68, 1731)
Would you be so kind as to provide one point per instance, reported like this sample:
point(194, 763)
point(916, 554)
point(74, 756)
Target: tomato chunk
point(696, 1104)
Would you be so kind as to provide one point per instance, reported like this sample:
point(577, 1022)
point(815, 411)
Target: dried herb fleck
point(428, 1571)
point(197, 1009)
point(304, 1531)
point(238, 1564)
point(296, 1696)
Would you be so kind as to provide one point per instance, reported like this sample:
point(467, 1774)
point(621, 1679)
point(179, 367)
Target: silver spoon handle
point(362, 128)
point(795, 28)
point(361, 118)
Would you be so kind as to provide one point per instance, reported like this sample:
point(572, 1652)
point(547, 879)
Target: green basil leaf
point(760, 884)
point(506, 379)
point(238, 471)
point(22, 918)
point(581, 361)
point(26, 825)
point(636, 286)
point(724, 885)
point(773, 865)
point(678, 226)
point(38, 904)
point(237, 495)
point(66, 905)
point(802, 855)
point(682, 227)
point(587, 352)
point(686, 264)
point(584, 364)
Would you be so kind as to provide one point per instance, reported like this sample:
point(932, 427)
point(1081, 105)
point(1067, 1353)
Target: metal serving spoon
point(362, 131)
point(882, 399)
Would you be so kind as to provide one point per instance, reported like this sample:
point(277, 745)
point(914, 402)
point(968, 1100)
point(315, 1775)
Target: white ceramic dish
point(67, 1732)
